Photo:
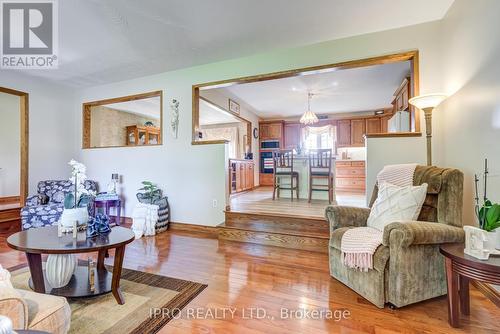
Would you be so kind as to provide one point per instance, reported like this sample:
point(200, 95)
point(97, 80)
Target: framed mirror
point(134, 120)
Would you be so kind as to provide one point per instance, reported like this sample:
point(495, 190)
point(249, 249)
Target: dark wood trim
point(10, 199)
point(487, 290)
point(87, 116)
point(24, 134)
point(175, 226)
point(393, 134)
point(411, 56)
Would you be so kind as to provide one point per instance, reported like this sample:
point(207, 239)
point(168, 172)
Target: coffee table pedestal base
point(79, 285)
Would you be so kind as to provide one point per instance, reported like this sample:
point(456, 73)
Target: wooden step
point(290, 225)
point(276, 230)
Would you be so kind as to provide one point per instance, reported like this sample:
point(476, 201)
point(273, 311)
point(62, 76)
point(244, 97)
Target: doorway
point(13, 150)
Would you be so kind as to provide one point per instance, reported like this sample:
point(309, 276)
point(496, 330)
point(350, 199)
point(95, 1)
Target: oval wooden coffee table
point(460, 269)
point(37, 241)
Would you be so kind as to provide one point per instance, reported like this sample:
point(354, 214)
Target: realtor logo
point(29, 34)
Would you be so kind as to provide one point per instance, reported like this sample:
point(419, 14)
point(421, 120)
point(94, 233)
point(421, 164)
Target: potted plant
point(149, 193)
point(487, 213)
point(76, 202)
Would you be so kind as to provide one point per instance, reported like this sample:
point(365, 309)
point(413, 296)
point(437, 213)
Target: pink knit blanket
point(358, 246)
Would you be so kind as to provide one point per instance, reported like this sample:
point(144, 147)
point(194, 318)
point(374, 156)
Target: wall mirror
point(134, 120)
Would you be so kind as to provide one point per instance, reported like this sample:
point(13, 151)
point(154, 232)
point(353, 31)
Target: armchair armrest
point(14, 307)
point(343, 216)
point(33, 200)
point(410, 233)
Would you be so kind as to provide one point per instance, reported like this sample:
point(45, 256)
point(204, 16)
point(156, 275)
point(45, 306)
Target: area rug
point(142, 292)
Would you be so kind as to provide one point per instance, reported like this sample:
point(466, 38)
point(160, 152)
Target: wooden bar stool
point(320, 167)
point(283, 167)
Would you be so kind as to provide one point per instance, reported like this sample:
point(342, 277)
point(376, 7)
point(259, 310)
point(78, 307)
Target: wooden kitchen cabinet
point(292, 135)
point(402, 95)
point(358, 130)
point(344, 133)
point(272, 130)
point(241, 175)
point(373, 125)
point(384, 123)
point(350, 176)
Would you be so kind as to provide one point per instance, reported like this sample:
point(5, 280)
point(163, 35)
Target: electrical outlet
point(214, 203)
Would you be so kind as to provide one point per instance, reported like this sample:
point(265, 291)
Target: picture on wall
point(234, 106)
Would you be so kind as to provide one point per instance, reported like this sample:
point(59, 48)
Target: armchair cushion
point(46, 312)
point(14, 307)
point(410, 233)
point(380, 256)
point(344, 216)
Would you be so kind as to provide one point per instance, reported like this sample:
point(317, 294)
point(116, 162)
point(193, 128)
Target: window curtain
point(230, 134)
point(315, 137)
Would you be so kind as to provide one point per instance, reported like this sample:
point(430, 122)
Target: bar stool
point(282, 168)
point(320, 167)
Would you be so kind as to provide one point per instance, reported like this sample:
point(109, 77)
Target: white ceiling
point(351, 90)
point(149, 107)
point(102, 41)
point(210, 114)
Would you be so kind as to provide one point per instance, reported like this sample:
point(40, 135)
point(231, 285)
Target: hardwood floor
point(243, 275)
point(260, 200)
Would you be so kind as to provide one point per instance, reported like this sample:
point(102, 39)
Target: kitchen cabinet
point(241, 175)
point(401, 96)
point(384, 123)
point(373, 125)
point(292, 135)
point(344, 133)
point(272, 130)
point(350, 176)
point(358, 130)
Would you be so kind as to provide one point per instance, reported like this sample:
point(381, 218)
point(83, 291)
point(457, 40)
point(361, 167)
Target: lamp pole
point(428, 130)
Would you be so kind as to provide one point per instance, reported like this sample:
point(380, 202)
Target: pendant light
point(309, 117)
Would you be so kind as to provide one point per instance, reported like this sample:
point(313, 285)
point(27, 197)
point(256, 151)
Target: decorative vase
point(491, 241)
point(498, 238)
point(81, 215)
point(59, 269)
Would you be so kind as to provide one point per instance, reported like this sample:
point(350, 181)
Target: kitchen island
point(301, 165)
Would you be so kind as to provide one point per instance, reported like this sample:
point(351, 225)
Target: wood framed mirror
point(14, 111)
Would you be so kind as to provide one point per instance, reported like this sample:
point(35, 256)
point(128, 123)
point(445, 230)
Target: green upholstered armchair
point(407, 267)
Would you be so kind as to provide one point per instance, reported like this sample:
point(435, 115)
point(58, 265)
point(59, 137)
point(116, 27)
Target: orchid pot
point(80, 215)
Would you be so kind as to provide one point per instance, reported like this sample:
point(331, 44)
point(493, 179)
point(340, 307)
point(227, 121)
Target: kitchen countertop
point(350, 160)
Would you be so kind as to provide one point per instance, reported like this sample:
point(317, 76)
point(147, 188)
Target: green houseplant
point(150, 192)
point(487, 213)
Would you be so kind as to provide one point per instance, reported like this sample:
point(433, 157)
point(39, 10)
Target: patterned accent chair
point(407, 267)
point(46, 207)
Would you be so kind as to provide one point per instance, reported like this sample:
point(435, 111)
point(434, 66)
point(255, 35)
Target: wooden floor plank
point(243, 276)
point(260, 200)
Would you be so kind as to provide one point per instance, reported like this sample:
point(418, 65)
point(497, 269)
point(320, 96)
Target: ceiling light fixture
point(309, 117)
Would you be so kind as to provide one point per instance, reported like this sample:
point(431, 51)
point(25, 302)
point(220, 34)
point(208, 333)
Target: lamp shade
point(427, 101)
point(308, 118)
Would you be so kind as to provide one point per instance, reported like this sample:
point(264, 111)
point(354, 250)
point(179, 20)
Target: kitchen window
point(319, 137)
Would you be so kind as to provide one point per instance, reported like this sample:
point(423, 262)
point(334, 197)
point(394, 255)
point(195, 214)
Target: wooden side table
point(107, 204)
point(460, 269)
